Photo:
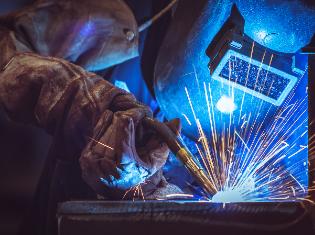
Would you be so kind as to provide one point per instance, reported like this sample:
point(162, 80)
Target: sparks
point(259, 155)
point(106, 146)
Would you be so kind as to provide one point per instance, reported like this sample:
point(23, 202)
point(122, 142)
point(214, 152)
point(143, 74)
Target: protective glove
point(125, 154)
point(86, 115)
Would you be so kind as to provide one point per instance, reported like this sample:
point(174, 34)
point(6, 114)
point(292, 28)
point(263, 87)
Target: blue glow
point(293, 24)
point(268, 158)
point(87, 29)
point(122, 85)
point(228, 196)
point(260, 149)
point(281, 25)
point(254, 77)
point(261, 34)
point(130, 175)
point(226, 105)
point(265, 140)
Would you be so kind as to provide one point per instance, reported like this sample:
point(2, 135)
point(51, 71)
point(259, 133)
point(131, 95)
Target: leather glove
point(125, 154)
point(86, 115)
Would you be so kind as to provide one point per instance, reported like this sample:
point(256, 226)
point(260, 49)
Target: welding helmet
point(93, 34)
point(205, 36)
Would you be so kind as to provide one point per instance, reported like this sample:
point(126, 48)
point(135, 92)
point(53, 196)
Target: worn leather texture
point(90, 118)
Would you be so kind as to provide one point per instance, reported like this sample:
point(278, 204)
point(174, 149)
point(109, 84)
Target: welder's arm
point(88, 116)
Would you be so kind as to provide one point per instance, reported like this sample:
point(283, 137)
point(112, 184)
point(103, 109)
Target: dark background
point(22, 153)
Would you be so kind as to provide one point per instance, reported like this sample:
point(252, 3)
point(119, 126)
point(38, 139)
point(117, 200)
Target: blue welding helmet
point(240, 63)
point(210, 45)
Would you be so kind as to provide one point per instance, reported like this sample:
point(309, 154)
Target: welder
point(47, 50)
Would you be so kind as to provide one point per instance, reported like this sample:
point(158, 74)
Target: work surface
point(182, 217)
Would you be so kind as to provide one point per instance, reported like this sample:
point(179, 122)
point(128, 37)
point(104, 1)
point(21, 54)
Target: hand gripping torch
point(182, 153)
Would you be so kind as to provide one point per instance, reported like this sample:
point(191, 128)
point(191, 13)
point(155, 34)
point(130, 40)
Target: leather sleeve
point(90, 119)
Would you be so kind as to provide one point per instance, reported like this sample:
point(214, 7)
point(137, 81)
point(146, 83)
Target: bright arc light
point(261, 34)
point(228, 196)
point(122, 85)
point(226, 105)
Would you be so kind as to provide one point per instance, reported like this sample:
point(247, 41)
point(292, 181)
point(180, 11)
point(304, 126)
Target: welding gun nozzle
point(182, 153)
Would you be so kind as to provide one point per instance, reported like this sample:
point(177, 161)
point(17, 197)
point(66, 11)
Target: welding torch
point(182, 153)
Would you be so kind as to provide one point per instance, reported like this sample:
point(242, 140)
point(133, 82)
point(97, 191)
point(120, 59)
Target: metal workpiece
point(181, 217)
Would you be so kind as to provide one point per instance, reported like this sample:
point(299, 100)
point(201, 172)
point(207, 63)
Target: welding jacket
point(96, 127)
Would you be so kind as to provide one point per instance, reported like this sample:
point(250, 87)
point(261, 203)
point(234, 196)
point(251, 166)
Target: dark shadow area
point(23, 151)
